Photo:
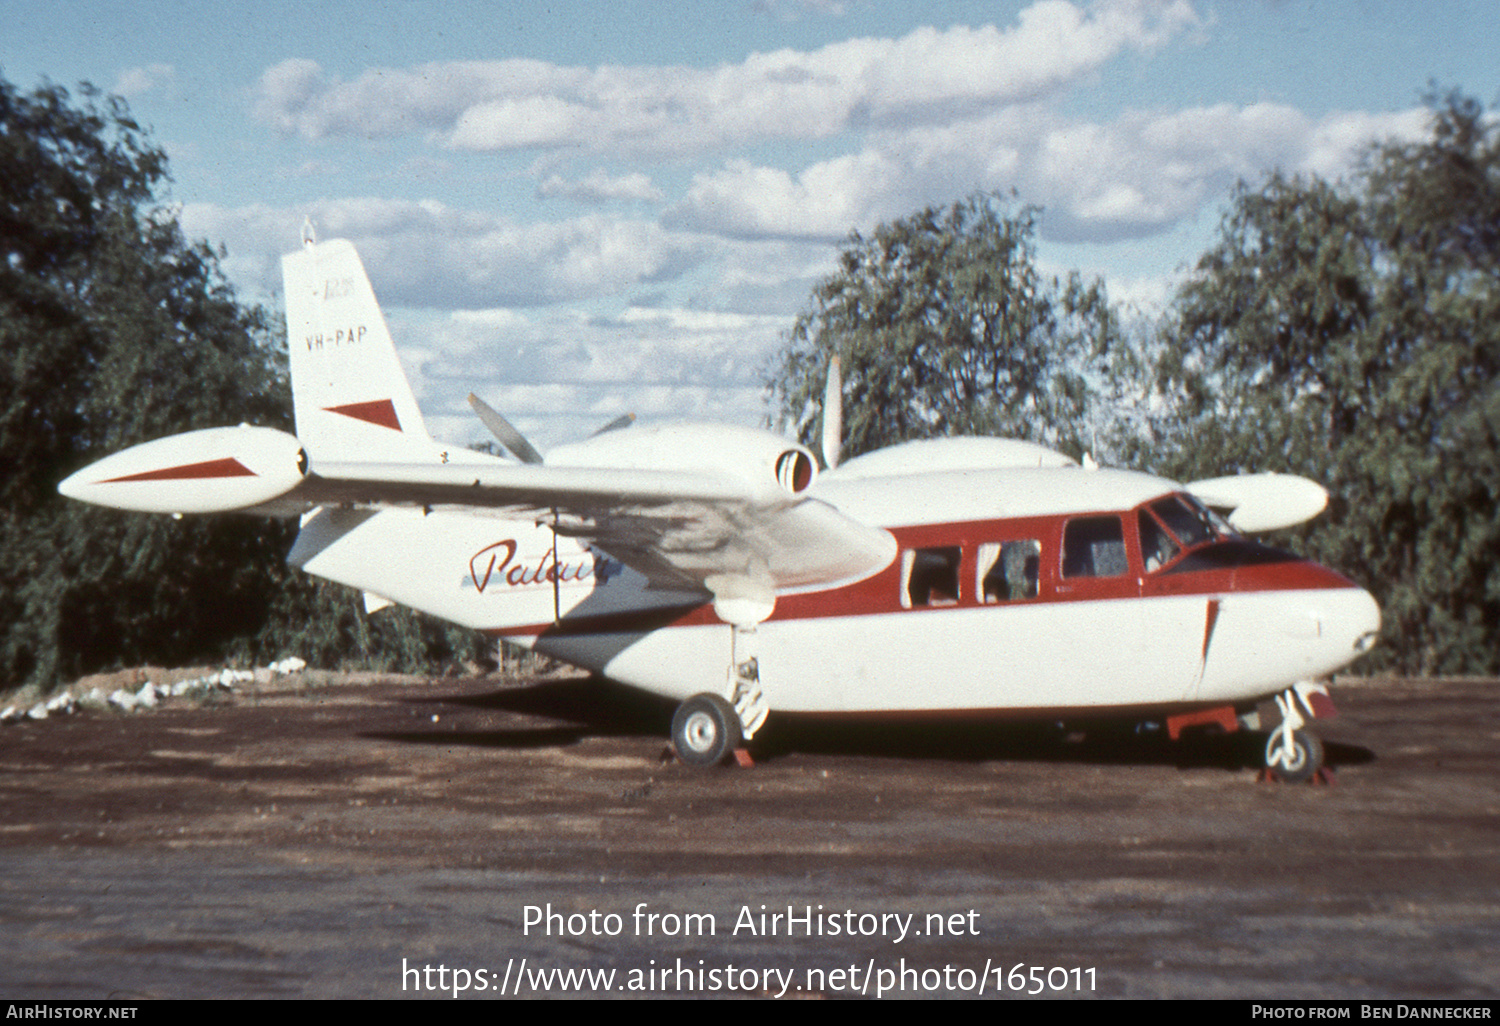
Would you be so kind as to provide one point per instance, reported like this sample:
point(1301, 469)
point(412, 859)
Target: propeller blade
point(615, 425)
point(504, 432)
point(833, 415)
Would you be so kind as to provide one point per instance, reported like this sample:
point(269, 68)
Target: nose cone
point(1339, 626)
point(1366, 621)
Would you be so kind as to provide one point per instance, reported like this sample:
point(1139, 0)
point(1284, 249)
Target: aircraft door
point(1176, 621)
point(1130, 643)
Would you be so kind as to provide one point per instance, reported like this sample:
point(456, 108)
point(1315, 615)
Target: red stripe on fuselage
point(227, 467)
point(881, 594)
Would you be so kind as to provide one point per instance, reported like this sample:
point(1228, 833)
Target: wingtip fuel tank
point(216, 470)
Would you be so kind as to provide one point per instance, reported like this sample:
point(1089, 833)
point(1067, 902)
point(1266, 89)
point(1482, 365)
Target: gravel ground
point(394, 837)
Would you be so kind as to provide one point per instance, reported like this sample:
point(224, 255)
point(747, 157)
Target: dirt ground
point(482, 837)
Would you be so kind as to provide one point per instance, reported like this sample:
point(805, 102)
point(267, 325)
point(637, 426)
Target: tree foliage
point(944, 325)
point(116, 330)
point(1351, 333)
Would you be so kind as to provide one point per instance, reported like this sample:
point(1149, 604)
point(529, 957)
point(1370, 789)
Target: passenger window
point(1157, 547)
point(1094, 547)
point(1008, 571)
point(929, 577)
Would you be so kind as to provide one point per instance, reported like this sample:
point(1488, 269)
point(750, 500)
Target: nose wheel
point(1294, 756)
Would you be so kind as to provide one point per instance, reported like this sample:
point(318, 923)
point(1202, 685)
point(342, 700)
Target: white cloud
point(826, 201)
point(1131, 177)
point(924, 77)
point(599, 187)
point(428, 254)
point(559, 375)
point(136, 82)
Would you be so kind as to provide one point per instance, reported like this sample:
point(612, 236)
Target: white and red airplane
point(715, 565)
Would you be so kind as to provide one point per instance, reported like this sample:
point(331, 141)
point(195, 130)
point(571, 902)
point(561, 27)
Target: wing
point(718, 532)
point(714, 507)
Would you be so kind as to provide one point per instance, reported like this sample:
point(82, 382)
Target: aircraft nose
point(1349, 620)
point(1369, 625)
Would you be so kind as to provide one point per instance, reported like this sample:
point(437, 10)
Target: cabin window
point(1008, 571)
point(1094, 547)
point(929, 577)
point(1158, 548)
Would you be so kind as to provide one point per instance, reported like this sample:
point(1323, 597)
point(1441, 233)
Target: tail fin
point(351, 398)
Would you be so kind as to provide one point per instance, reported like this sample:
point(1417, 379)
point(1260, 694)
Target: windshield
point(1189, 520)
point(1177, 524)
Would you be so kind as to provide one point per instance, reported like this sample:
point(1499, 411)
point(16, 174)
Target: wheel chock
point(1325, 777)
point(742, 758)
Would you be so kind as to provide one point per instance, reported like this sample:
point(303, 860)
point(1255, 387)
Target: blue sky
point(581, 209)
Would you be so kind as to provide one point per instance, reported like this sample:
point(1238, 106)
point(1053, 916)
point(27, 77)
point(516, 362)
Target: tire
point(1298, 765)
point(705, 730)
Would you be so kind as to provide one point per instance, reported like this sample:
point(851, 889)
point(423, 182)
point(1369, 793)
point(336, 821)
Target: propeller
point(506, 434)
point(504, 431)
point(615, 425)
point(833, 415)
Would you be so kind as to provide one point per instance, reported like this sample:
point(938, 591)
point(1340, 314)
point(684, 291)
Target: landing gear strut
point(1295, 755)
point(708, 728)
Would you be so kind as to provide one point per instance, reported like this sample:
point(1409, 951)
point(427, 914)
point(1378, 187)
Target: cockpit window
point(1158, 548)
point(1219, 524)
point(1189, 521)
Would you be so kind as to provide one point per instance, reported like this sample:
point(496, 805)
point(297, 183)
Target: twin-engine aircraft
point(720, 567)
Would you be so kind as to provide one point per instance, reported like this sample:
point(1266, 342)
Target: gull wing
point(718, 532)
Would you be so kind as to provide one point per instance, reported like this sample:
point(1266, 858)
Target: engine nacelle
point(216, 470)
point(763, 460)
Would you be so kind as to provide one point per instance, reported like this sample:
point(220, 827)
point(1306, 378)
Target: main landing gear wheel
point(1296, 761)
point(705, 730)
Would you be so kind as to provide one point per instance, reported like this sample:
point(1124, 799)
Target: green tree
point(945, 326)
point(1351, 333)
point(116, 330)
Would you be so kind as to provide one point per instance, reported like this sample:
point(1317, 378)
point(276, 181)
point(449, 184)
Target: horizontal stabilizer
point(217, 470)
point(1262, 502)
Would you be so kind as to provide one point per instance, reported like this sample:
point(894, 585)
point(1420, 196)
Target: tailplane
point(351, 397)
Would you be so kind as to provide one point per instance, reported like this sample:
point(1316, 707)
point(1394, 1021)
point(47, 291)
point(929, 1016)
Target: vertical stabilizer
point(351, 397)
